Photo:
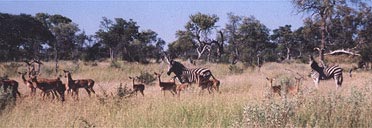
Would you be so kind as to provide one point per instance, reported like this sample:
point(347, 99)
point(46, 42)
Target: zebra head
point(314, 65)
point(175, 67)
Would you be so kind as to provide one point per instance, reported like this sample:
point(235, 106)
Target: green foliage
point(235, 69)
point(7, 101)
point(21, 31)
point(123, 39)
point(115, 64)
point(11, 69)
point(146, 78)
point(123, 92)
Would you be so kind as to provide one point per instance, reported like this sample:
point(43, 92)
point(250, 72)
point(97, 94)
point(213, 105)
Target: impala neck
point(69, 78)
point(23, 78)
point(159, 79)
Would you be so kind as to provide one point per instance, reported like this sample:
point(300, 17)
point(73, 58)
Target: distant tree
point(123, 39)
point(253, 42)
point(21, 36)
point(231, 32)
point(117, 35)
point(201, 26)
point(64, 31)
point(334, 16)
point(183, 46)
point(364, 38)
point(285, 38)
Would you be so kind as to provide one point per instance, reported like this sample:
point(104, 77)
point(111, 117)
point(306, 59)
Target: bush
point(123, 92)
point(333, 110)
point(115, 64)
point(11, 69)
point(146, 78)
point(234, 69)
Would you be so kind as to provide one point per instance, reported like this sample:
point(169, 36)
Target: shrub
point(234, 69)
point(115, 64)
point(11, 69)
point(146, 78)
point(123, 92)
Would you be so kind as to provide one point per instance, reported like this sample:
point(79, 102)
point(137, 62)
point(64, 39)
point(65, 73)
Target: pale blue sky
point(164, 17)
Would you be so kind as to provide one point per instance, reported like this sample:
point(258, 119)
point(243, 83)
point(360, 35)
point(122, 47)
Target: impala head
point(67, 73)
point(158, 74)
point(23, 74)
point(298, 79)
point(271, 80)
point(33, 78)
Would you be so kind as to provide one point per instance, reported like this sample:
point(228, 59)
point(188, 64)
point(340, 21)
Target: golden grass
point(242, 100)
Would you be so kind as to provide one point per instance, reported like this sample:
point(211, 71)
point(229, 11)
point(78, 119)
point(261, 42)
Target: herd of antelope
point(56, 88)
point(185, 76)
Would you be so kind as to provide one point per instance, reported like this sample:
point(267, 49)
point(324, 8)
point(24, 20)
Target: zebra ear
point(311, 57)
point(166, 58)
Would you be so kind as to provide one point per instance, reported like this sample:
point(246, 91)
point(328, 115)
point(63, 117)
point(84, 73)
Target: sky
point(164, 17)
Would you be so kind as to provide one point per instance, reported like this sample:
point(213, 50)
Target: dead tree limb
point(342, 51)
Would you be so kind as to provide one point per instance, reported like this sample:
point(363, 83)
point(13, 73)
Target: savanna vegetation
point(241, 55)
point(245, 100)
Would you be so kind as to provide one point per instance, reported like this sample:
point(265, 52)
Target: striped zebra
point(325, 73)
point(185, 75)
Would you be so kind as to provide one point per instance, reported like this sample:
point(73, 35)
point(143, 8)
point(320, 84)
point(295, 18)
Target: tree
point(183, 46)
point(64, 31)
point(21, 36)
point(231, 31)
point(117, 36)
point(252, 39)
point(123, 39)
point(323, 10)
point(285, 38)
point(201, 26)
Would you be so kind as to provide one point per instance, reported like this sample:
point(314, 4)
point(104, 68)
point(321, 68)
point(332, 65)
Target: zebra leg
point(338, 81)
point(316, 82)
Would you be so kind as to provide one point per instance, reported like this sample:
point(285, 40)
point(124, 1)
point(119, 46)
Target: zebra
point(186, 75)
point(325, 73)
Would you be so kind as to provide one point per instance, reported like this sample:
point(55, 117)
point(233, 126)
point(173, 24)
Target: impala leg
point(142, 93)
point(91, 89)
point(87, 91)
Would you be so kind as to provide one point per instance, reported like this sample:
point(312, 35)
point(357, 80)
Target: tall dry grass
point(244, 101)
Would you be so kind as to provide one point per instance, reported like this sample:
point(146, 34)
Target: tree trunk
point(56, 57)
point(111, 54)
point(323, 40)
point(288, 54)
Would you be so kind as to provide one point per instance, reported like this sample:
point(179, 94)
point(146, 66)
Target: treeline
point(332, 25)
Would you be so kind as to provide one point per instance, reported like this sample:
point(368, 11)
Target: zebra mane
point(178, 65)
point(314, 65)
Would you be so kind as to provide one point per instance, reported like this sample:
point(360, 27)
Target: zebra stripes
point(186, 75)
point(325, 73)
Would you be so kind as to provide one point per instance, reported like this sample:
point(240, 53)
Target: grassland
point(244, 100)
